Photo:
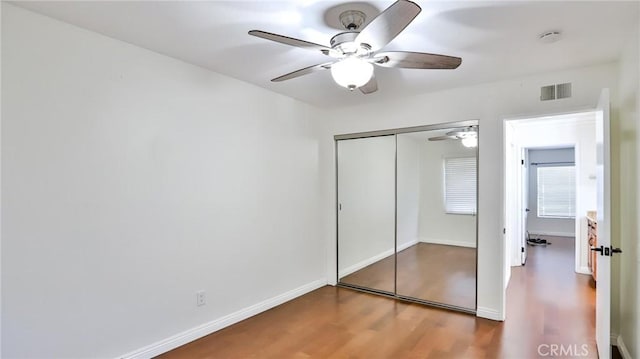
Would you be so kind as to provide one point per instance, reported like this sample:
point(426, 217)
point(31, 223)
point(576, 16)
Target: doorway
point(550, 149)
point(550, 186)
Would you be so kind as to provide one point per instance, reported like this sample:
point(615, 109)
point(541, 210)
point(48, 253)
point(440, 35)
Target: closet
point(407, 213)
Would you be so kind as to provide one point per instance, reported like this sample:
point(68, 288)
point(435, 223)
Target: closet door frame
point(394, 132)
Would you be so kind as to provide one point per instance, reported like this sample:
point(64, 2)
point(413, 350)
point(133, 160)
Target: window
point(460, 185)
point(557, 192)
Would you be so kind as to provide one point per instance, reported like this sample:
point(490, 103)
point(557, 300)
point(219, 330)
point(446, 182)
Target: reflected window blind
point(460, 185)
point(557, 192)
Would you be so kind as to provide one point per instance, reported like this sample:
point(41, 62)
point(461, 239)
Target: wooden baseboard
point(200, 331)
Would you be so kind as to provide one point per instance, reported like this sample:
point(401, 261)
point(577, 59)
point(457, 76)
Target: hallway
point(548, 303)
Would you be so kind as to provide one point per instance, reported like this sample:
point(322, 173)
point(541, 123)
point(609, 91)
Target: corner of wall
point(200, 331)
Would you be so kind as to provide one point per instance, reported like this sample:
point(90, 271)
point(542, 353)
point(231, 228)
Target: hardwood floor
point(434, 272)
point(548, 304)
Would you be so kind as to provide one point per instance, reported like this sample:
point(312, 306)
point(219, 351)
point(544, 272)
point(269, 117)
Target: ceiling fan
point(355, 51)
point(467, 135)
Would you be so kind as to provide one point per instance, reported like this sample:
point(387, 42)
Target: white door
point(525, 203)
point(603, 174)
point(366, 209)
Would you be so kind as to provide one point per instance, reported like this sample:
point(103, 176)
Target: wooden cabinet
point(592, 233)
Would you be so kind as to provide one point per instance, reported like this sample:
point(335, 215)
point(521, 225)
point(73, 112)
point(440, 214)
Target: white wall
point(130, 181)
point(542, 225)
point(437, 226)
point(409, 189)
point(491, 104)
point(626, 267)
point(578, 131)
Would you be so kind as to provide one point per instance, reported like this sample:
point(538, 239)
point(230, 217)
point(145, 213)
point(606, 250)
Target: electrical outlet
point(201, 298)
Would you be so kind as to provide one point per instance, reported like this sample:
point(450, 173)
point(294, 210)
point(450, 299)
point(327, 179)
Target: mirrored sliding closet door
point(436, 252)
point(366, 212)
point(407, 213)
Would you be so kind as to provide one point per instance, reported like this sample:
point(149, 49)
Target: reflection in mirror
point(366, 212)
point(437, 216)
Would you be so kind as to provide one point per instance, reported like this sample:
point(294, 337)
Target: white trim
point(613, 338)
point(583, 270)
point(448, 242)
point(624, 351)
point(200, 331)
point(555, 234)
point(507, 278)
point(489, 313)
point(378, 257)
point(412, 243)
point(364, 263)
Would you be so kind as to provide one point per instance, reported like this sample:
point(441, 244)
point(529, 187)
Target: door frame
point(524, 202)
point(506, 123)
point(603, 189)
point(515, 150)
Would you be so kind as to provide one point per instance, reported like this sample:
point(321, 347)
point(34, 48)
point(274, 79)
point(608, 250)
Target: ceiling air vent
point(555, 92)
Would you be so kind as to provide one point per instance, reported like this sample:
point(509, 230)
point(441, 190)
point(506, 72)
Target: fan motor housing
point(343, 37)
point(345, 43)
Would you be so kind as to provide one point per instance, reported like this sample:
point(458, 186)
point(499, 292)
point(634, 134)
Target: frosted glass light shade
point(352, 72)
point(470, 141)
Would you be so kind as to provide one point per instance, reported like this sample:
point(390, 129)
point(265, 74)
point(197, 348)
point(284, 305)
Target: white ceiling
point(496, 40)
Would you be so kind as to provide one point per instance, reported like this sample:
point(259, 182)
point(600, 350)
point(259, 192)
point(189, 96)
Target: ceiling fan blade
point(370, 87)
point(291, 41)
point(463, 132)
point(304, 71)
point(386, 26)
point(441, 138)
point(416, 60)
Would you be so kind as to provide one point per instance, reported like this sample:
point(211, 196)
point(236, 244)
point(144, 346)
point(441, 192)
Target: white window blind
point(557, 192)
point(460, 185)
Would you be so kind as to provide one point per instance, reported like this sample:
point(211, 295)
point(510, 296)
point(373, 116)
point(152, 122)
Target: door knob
point(598, 249)
point(608, 251)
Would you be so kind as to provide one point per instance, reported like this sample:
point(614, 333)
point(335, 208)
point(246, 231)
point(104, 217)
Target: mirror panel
point(366, 212)
point(436, 206)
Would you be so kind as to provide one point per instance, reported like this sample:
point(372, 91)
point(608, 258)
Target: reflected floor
point(434, 272)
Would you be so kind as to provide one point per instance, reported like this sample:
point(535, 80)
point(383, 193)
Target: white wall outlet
point(201, 298)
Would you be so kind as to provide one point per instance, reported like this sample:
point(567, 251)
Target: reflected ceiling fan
point(355, 51)
point(467, 135)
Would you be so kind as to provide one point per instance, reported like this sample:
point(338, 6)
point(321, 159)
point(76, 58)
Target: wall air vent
point(563, 90)
point(548, 93)
point(555, 92)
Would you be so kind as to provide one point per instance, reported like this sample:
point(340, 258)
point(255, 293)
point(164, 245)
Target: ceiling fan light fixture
point(352, 72)
point(470, 141)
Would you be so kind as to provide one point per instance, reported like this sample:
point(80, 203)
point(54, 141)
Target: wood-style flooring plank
point(433, 272)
